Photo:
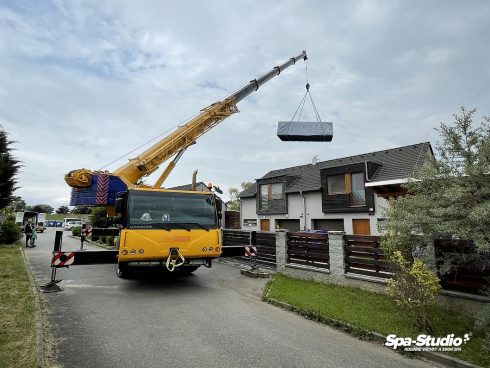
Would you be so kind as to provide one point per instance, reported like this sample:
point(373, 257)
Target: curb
point(368, 335)
point(38, 314)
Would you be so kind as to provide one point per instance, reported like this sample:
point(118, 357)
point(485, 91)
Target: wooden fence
point(264, 241)
point(363, 255)
point(308, 249)
point(466, 272)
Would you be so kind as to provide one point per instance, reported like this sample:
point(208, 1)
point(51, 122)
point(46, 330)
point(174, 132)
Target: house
point(346, 194)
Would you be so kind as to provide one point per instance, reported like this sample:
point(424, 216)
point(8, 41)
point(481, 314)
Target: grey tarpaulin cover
point(314, 131)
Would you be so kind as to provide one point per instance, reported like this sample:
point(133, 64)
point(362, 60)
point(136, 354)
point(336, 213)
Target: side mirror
point(119, 205)
point(219, 205)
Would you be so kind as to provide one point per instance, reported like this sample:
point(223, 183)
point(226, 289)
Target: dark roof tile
point(396, 163)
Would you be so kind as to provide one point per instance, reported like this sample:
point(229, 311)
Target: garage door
point(289, 225)
point(332, 224)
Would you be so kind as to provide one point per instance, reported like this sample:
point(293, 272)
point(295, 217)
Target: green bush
point(102, 239)
point(10, 232)
point(76, 231)
point(110, 240)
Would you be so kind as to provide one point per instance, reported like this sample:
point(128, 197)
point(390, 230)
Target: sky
point(85, 82)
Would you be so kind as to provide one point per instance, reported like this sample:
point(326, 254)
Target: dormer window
point(349, 183)
point(270, 192)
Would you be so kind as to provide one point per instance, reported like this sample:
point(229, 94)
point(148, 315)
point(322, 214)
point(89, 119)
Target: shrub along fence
point(467, 272)
point(364, 256)
point(357, 256)
point(308, 249)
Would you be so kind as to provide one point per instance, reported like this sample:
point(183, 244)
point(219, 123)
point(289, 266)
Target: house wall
point(248, 210)
point(313, 201)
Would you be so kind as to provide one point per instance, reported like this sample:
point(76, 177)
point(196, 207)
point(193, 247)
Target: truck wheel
point(122, 270)
point(187, 270)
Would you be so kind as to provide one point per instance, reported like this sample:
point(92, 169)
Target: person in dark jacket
point(28, 231)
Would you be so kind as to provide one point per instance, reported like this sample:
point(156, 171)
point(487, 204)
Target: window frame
point(348, 183)
point(264, 203)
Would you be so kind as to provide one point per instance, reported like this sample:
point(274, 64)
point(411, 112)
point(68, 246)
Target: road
point(213, 318)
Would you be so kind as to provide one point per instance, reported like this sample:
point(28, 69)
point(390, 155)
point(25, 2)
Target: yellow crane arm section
point(183, 137)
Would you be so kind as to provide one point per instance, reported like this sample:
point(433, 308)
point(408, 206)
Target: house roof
point(188, 186)
point(395, 163)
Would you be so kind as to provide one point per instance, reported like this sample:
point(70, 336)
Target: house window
point(336, 184)
point(276, 191)
point(349, 183)
point(269, 192)
point(358, 195)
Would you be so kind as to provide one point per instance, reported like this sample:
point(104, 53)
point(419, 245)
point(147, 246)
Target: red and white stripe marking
point(250, 251)
point(61, 259)
point(103, 182)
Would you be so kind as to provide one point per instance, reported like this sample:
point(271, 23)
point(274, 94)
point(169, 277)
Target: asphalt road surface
point(213, 318)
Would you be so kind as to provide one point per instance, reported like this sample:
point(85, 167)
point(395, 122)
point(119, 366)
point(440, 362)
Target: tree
point(448, 197)
point(17, 204)
point(9, 168)
point(234, 202)
point(99, 218)
point(41, 208)
point(62, 210)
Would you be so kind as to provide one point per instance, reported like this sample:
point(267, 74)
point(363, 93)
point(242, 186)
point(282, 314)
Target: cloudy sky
point(84, 82)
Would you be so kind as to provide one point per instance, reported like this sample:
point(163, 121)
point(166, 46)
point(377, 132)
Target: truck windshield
point(170, 210)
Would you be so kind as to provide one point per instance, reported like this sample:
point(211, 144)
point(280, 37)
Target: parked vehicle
point(71, 223)
point(40, 227)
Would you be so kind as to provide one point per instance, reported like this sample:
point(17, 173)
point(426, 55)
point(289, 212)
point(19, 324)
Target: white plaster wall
point(248, 211)
point(313, 201)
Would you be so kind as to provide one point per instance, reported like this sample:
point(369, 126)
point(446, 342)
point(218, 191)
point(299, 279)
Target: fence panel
point(265, 243)
point(466, 272)
point(364, 256)
point(266, 248)
point(308, 249)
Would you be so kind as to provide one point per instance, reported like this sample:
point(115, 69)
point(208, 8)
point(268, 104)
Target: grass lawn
point(17, 311)
point(373, 312)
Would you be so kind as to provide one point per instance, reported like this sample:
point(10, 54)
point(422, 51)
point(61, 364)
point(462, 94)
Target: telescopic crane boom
point(87, 184)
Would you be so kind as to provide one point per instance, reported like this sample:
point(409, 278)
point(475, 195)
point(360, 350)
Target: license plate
point(197, 261)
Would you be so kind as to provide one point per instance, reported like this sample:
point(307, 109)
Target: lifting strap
point(299, 110)
point(173, 263)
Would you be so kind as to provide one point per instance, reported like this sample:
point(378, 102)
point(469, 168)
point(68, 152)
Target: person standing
point(28, 231)
point(33, 237)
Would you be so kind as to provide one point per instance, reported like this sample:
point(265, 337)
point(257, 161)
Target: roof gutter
point(386, 182)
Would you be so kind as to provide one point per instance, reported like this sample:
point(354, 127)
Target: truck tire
point(122, 270)
point(187, 270)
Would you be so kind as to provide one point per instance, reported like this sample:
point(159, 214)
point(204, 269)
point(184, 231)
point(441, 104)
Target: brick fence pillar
point(336, 250)
point(281, 252)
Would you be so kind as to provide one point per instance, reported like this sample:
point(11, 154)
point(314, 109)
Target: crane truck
point(177, 228)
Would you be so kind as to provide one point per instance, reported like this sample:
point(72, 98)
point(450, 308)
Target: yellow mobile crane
point(178, 228)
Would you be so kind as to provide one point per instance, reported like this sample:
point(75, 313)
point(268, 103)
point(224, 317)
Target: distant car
point(40, 227)
point(71, 224)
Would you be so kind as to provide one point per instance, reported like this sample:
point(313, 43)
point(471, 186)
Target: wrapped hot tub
point(305, 131)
